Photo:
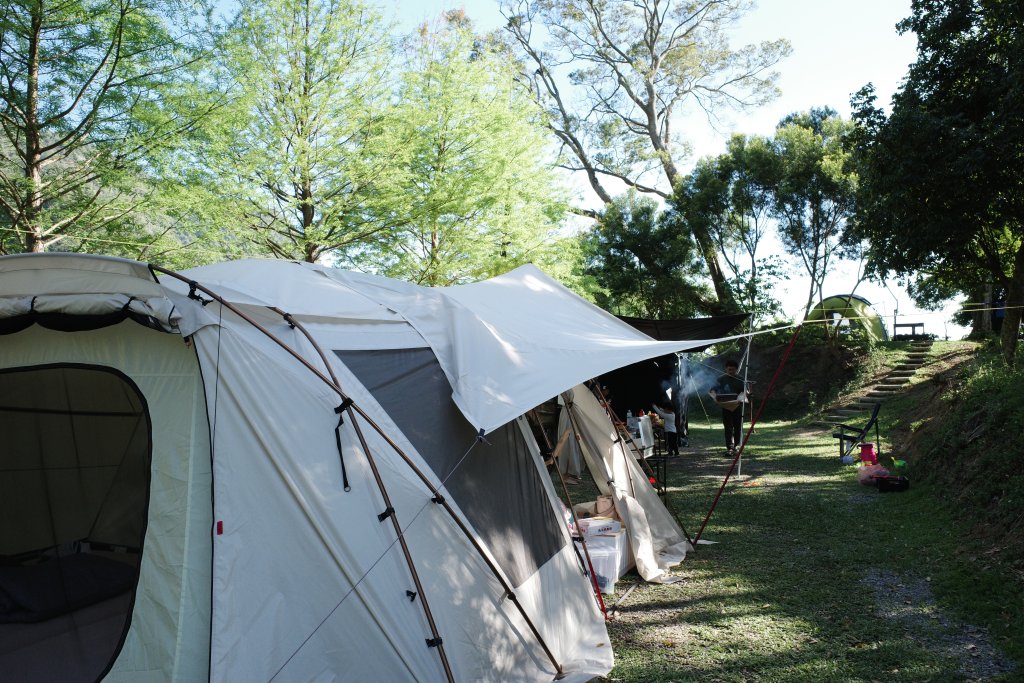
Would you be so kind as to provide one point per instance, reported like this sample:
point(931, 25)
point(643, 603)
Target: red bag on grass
point(867, 473)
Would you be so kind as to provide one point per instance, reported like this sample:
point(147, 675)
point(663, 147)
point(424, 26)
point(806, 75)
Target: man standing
point(730, 392)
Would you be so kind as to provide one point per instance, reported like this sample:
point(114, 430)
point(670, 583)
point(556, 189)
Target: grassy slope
point(795, 587)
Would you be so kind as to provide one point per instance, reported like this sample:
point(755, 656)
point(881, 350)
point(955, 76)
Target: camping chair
point(851, 435)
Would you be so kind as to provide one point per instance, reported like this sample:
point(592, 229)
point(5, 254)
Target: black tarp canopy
point(637, 386)
point(688, 328)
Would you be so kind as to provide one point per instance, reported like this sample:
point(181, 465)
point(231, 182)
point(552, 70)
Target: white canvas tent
point(267, 470)
point(656, 540)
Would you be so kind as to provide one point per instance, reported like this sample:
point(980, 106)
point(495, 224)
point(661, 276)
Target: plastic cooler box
point(611, 558)
point(606, 567)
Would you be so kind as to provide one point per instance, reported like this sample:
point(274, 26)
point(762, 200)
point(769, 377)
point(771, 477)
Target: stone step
point(898, 379)
point(848, 412)
point(909, 366)
point(894, 388)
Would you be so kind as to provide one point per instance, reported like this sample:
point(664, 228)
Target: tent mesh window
point(497, 485)
point(74, 482)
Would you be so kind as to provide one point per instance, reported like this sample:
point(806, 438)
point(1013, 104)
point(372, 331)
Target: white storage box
point(592, 526)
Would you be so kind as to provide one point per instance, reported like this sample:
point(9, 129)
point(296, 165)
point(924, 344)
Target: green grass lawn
point(814, 577)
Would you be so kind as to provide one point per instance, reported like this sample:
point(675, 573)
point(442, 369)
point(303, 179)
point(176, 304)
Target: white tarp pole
point(746, 372)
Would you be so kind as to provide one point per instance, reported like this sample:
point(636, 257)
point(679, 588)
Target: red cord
point(753, 422)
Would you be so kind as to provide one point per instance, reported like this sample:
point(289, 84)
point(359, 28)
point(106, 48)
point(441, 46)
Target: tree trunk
point(33, 155)
point(1014, 302)
point(981, 320)
point(706, 243)
point(722, 290)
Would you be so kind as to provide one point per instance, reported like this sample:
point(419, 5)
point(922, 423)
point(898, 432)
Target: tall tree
point(731, 197)
point(942, 182)
point(614, 74)
point(814, 195)
point(643, 264)
point(308, 160)
point(89, 91)
point(480, 196)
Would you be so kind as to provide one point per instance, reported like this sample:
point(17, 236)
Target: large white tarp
point(506, 344)
point(512, 342)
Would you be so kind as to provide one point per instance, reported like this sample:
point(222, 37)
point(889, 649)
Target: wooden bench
point(916, 331)
point(851, 435)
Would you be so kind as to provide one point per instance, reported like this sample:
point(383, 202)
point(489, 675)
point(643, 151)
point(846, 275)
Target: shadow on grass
point(781, 595)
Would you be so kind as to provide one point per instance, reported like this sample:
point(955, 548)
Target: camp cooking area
point(268, 470)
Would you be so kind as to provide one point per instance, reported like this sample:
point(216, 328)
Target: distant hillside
point(960, 430)
point(813, 375)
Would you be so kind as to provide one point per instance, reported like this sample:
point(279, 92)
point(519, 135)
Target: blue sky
point(838, 46)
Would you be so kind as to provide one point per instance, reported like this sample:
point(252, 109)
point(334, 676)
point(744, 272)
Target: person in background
point(671, 435)
point(730, 392)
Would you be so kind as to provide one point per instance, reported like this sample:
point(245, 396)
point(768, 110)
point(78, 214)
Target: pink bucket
point(867, 453)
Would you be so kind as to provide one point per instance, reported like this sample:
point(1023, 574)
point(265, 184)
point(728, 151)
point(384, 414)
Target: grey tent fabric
point(494, 482)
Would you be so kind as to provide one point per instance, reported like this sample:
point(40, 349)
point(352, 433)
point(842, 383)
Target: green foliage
point(730, 198)
point(632, 66)
point(420, 159)
point(308, 158)
point(644, 264)
point(612, 77)
point(95, 91)
point(972, 452)
point(814, 192)
point(941, 198)
point(479, 198)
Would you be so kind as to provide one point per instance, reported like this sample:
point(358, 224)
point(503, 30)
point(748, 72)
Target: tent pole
point(572, 512)
point(615, 420)
point(234, 309)
point(580, 436)
point(352, 407)
point(436, 640)
point(746, 373)
point(771, 386)
point(438, 498)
